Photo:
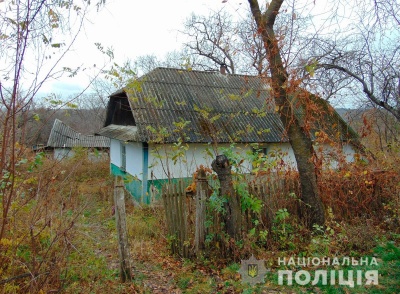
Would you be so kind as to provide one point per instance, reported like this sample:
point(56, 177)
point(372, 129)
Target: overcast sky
point(137, 28)
point(133, 29)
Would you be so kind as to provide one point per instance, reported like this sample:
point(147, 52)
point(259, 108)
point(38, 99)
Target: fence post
point(120, 219)
point(201, 198)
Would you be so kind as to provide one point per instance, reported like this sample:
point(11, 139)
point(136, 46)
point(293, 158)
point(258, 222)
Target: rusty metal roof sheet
point(62, 136)
point(198, 106)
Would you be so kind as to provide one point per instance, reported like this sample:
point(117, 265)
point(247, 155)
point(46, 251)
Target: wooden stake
point(120, 218)
point(201, 198)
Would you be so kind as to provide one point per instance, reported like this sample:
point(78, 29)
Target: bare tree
point(33, 45)
point(245, 47)
point(299, 137)
point(371, 71)
point(219, 39)
point(368, 60)
point(211, 38)
point(146, 63)
point(222, 38)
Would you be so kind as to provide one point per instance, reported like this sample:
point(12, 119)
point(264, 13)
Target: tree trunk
point(233, 215)
point(312, 210)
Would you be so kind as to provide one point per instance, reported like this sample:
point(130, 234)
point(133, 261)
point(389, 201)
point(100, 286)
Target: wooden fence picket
point(186, 225)
point(176, 212)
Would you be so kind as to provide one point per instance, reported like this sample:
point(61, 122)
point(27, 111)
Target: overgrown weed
point(53, 230)
point(62, 234)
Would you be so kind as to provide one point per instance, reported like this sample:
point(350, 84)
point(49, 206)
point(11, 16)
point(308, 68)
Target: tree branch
point(369, 92)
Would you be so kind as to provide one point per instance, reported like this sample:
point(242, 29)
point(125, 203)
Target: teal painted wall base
point(134, 186)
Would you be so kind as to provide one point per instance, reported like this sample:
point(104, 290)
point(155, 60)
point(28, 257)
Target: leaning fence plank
point(180, 217)
point(200, 220)
point(164, 193)
point(120, 218)
point(181, 214)
point(201, 197)
point(170, 210)
point(186, 210)
point(175, 217)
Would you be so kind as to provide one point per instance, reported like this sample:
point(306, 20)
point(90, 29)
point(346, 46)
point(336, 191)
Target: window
point(262, 150)
point(123, 156)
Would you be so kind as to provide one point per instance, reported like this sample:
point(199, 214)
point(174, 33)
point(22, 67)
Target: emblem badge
point(252, 271)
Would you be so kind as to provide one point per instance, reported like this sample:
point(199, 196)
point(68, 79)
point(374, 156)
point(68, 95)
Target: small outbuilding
point(64, 140)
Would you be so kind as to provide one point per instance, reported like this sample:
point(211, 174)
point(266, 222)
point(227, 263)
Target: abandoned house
point(170, 121)
point(63, 142)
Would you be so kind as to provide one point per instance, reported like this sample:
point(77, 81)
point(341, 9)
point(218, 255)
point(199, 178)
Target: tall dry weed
point(41, 224)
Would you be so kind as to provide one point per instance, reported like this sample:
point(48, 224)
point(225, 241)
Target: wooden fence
point(186, 215)
point(177, 211)
point(363, 193)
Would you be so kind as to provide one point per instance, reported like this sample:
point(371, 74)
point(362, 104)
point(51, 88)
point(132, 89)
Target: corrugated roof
point(198, 106)
point(62, 136)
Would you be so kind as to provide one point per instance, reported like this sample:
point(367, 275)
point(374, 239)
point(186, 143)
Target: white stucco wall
point(162, 162)
point(349, 152)
point(115, 152)
point(331, 157)
point(134, 156)
point(330, 153)
point(134, 159)
point(280, 156)
point(61, 153)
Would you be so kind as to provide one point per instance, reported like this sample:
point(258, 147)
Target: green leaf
point(72, 105)
point(252, 232)
point(45, 40)
point(310, 68)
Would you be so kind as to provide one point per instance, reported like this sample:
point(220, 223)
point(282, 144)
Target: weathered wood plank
point(201, 198)
point(122, 233)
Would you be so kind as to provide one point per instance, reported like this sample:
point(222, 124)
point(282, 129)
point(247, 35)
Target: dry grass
point(48, 208)
point(61, 234)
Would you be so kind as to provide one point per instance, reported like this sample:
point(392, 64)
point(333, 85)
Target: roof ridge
point(193, 84)
point(198, 71)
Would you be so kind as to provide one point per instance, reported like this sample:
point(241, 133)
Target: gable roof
point(63, 136)
point(197, 106)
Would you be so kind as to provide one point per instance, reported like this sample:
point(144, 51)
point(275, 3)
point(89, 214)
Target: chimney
point(223, 68)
